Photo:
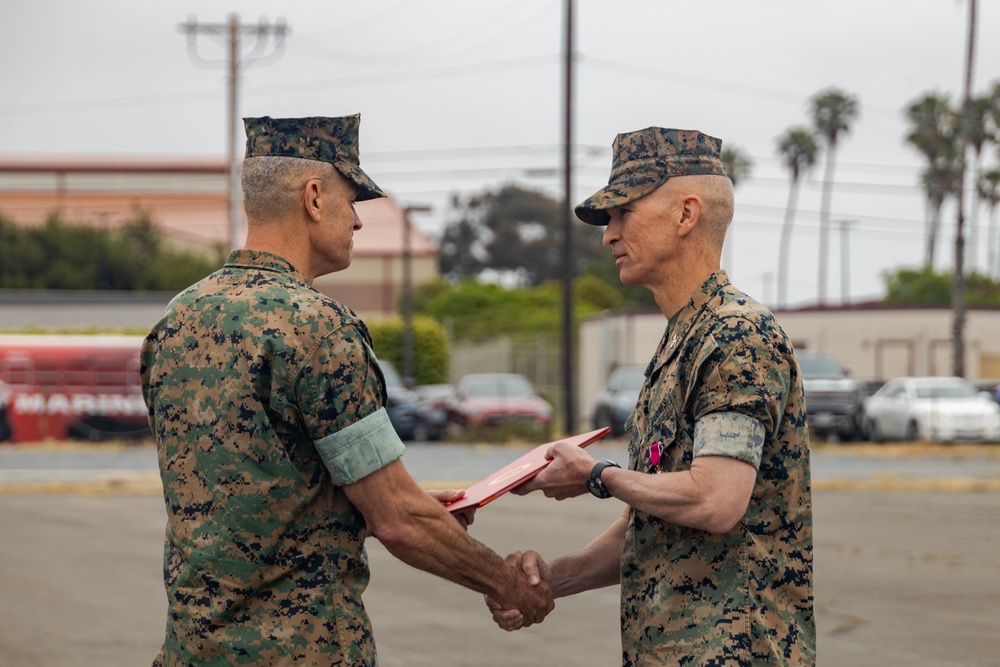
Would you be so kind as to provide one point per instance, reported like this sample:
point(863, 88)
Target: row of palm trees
point(832, 113)
point(936, 132)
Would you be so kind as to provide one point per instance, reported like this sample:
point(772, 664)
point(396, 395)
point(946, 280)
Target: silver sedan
point(937, 409)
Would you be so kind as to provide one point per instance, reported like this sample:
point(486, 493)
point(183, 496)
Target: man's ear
point(312, 199)
point(690, 215)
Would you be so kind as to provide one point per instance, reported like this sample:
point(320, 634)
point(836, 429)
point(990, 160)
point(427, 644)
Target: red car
point(493, 399)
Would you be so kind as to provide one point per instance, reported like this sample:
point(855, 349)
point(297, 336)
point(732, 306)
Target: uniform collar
point(261, 260)
point(682, 321)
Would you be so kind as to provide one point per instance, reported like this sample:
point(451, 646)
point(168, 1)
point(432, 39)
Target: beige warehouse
point(874, 342)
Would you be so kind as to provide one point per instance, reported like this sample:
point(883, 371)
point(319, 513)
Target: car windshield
point(949, 390)
point(498, 385)
point(628, 378)
point(818, 366)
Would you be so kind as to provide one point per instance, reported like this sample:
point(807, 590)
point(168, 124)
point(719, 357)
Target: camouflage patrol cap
point(644, 160)
point(333, 140)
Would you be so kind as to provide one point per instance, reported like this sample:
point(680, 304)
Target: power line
point(232, 33)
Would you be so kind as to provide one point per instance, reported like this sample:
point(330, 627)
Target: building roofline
point(113, 165)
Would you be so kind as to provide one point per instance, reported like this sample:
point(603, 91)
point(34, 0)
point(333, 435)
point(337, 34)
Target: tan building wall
point(875, 344)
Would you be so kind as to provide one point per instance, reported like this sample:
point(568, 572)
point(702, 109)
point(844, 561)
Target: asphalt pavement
point(906, 566)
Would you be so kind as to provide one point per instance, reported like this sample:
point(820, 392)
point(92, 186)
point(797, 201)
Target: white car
point(938, 409)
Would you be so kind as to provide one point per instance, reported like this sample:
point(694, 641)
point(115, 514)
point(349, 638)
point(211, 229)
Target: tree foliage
point(926, 287)
point(431, 349)
point(60, 255)
point(474, 311)
point(513, 231)
point(605, 270)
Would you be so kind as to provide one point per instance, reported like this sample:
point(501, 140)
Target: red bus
point(57, 387)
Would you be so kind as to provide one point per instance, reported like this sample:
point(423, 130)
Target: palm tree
point(739, 166)
point(940, 181)
point(833, 110)
point(798, 148)
point(737, 163)
point(978, 134)
point(933, 134)
point(988, 189)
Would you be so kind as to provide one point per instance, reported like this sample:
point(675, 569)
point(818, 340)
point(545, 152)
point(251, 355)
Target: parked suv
point(833, 400)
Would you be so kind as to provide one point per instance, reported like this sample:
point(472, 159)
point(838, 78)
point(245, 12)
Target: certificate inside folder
point(517, 472)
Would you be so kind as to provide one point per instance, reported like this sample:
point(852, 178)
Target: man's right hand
point(516, 615)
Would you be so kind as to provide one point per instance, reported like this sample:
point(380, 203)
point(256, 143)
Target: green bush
point(431, 348)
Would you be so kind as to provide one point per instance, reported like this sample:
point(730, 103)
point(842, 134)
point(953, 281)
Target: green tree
point(512, 230)
point(473, 311)
point(833, 111)
point(591, 290)
point(798, 149)
point(431, 348)
point(81, 255)
point(926, 287)
point(632, 295)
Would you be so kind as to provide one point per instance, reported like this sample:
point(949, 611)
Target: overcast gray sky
point(463, 96)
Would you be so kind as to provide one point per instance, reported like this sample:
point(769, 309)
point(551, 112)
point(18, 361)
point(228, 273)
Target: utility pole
point(569, 268)
point(958, 278)
point(408, 373)
point(232, 33)
point(845, 261)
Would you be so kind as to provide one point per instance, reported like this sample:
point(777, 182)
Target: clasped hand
point(538, 574)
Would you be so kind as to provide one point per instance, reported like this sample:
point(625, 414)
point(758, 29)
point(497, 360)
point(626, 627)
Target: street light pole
point(569, 404)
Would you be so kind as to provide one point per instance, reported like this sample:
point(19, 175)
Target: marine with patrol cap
point(713, 549)
point(275, 451)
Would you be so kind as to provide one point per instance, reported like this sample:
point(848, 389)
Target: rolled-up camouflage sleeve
point(729, 434)
point(742, 373)
point(340, 396)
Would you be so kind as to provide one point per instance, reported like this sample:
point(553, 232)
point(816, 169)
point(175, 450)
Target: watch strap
point(595, 484)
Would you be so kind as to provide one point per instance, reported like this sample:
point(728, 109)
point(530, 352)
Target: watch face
point(594, 483)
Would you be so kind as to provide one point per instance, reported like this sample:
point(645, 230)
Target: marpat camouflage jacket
point(745, 597)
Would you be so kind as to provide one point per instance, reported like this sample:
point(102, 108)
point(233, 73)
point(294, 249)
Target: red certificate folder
point(517, 472)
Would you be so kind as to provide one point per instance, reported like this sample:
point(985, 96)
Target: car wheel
point(871, 431)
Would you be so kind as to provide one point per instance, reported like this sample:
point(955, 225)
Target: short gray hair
point(272, 184)
point(717, 213)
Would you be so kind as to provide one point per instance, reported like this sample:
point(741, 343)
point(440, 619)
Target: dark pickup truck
point(833, 399)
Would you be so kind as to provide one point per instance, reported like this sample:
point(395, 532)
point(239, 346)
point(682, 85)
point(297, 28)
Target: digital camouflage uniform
point(265, 399)
point(743, 598)
point(724, 382)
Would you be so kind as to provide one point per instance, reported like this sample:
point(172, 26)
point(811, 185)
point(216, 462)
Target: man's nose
point(611, 234)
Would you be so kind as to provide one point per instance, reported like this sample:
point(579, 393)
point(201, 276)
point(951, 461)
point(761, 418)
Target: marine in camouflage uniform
point(723, 385)
point(743, 597)
point(266, 401)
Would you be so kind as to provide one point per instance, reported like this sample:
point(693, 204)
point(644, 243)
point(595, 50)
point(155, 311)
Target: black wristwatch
point(594, 483)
